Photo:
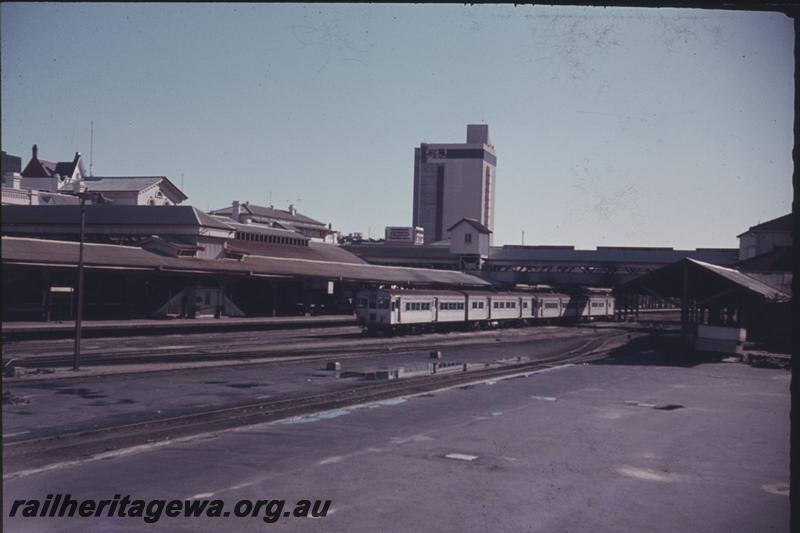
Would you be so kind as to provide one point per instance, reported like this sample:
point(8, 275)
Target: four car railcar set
point(415, 310)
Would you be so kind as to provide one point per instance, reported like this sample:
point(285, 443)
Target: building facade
point(270, 217)
point(44, 182)
point(454, 181)
point(765, 237)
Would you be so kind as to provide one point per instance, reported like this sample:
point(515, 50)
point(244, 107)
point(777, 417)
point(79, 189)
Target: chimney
point(35, 151)
point(76, 158)
point(235, 210)
point(292, 210)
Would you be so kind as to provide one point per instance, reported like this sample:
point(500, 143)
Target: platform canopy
point(704, 283)
point(327, 262)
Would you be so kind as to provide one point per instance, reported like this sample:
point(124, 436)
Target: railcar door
point(396, 306)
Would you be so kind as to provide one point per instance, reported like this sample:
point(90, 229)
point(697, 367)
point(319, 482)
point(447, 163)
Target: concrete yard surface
point(621, 447)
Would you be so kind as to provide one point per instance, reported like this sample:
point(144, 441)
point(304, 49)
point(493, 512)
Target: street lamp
point(100, 199)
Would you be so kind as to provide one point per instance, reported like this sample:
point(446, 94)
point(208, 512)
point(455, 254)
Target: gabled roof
point(705, 282)
point(130, 183)
point(783, 223)
point(42, 168)
point(39, 168)
point(67, 168)
point(268, 212)
point(472, 222)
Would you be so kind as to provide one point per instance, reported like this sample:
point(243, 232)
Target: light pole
point(98, 198)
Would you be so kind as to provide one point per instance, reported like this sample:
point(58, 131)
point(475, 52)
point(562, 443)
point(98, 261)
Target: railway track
point(22, 455)
point(266, 348)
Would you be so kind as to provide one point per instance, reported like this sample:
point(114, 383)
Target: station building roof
point(780, 224)
point(287, 262)
point(131, 184)
point(270, 212)
point(314, 251)
point(109, 215)
point(472, 222)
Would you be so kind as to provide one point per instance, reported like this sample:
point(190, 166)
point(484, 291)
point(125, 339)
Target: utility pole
point(79, 296)
point(84, 195)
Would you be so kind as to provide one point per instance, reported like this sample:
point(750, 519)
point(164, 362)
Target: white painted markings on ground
point(544, 398)
point(391, 401)
point(316, 417)
point(17, 434)
point(648, 474)
point(461, 456)
point(780, 489)
point(638, 404)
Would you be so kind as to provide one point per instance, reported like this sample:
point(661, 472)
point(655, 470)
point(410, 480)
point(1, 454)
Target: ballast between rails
point(397, 310)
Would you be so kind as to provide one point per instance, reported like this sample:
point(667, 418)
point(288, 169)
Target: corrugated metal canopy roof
point(520, 255)
point(25, 251)
point(705, 282)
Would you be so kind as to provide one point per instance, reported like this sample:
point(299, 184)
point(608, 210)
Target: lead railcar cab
point(414, 310)
point(394, 309)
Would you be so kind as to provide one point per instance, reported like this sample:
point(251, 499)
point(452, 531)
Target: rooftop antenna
point(91, 150)
point(181, 180)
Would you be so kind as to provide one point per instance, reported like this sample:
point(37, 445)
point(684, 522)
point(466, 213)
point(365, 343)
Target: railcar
point(417, 310)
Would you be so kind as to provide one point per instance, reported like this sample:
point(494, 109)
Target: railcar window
point(426, 306)
point(496, 305)
point(551, 305)
point(525, 305)
point(474, 305)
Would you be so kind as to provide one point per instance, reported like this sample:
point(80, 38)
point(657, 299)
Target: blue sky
point(613, 126)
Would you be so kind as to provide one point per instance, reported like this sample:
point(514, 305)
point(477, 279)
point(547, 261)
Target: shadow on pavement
point(657, 349)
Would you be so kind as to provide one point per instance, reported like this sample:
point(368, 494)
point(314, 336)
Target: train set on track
point(396, 310)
